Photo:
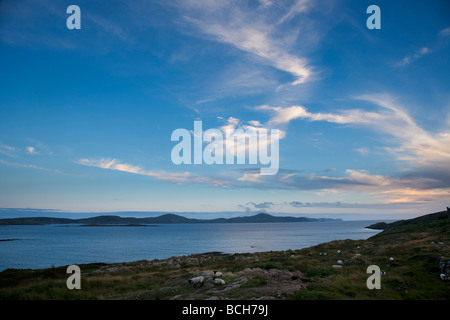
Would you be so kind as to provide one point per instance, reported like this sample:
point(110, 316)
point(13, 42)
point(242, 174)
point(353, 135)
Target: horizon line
point(341, 216)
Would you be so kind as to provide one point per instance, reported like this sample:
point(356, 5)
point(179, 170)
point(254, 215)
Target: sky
point(86, 115)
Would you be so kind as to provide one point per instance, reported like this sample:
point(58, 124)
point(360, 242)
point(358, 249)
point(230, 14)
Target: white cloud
point(265, 3)
point(255, 123)
point(411, 58)
point(363, 151)
point(287, 114)
point(252, 126)
point(31, 150)
point(254, 177)
point(253, 40)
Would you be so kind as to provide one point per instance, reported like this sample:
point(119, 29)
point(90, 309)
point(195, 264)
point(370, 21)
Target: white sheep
point(339, 262)
point(217, 274)
point(391, 259)
point(197, 280)
point(219, 281)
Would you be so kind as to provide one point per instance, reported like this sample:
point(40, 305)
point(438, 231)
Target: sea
point(45, 246)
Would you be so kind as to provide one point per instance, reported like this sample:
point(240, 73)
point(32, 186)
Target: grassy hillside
point(309, 273)
point(419, 220)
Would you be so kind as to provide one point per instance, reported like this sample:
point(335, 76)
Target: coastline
point(50, 243)
point(309, 273)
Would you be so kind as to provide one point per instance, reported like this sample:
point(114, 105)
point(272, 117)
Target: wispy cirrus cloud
point(8, 150)
point(283, 115)
point(445, 32)
point(33, 166)
point(411, 58)
point(236, 24)
point(426, 154)
point(174, 177)
point(363, 151)
point(299, 6)
point(413, 143)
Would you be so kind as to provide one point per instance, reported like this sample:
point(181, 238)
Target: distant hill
point(418, 220)
point(163, 219)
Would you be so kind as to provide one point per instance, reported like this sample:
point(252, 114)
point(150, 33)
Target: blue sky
point(86, 115)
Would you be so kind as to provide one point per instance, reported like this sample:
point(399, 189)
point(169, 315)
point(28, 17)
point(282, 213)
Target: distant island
point(163, 219)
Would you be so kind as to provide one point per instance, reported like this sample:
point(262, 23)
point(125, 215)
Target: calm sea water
point(57, 245)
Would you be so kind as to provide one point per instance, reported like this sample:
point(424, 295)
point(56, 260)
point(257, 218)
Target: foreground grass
point(309, 273)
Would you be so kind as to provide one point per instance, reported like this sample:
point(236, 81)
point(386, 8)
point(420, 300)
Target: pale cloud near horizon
point(382, 189)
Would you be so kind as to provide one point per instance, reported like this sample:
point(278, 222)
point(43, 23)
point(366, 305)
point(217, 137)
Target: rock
point(174, 263)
